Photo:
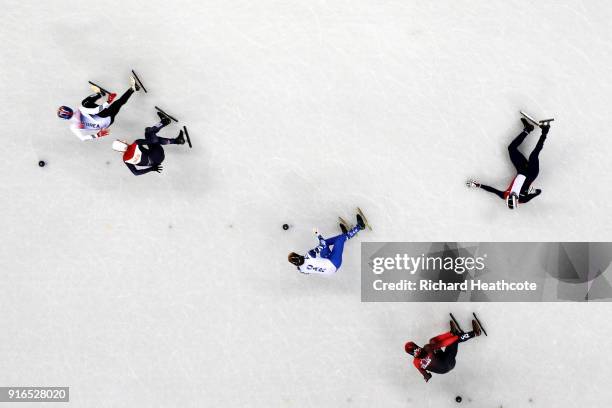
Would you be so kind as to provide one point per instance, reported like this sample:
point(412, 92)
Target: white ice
point(173, 290)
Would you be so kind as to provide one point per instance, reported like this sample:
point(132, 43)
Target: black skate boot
point(528, 127)
point(454, 329)
point(360, 222)
point(134, 84)
point(476, 328)
point(165, 120)
point(180, 139)
point(343, 228)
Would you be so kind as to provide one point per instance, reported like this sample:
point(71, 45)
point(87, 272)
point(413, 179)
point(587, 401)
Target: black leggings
point(152, 152)
point(114, 107)
point(529, 168)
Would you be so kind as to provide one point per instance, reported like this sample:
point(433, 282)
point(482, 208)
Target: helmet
point(410, 347)
point(64, 112)
point(120, 146)
point(512, 201)
point(295, 259)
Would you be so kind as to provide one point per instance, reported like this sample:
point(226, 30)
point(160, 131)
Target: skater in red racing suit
point(432, 359)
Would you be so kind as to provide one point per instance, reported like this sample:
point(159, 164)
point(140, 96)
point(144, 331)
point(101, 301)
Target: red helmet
point(410, 347)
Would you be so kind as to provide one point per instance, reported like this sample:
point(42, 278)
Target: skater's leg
point(90, 101)
point(156, 155)
point(336, 253)
point(114, 108)
point(331, 241)
point(450, 353)
point(350, 234)
point(325, 252)
point(476, 331)
point(448, 339)
point(151, 136)
point(444, 361)
point(518, 160)
point(441, 337)
point(353, 231)
point(534, 158)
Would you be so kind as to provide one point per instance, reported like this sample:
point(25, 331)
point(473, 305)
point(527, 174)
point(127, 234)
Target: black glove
point(427, 376)
point(158, 168)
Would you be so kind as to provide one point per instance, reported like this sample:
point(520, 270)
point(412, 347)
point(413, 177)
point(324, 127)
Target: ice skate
point(535, 122)
point(180, 139)
point(343, 228)
point(527, 127)
point(454, 329)
point(476, 328)
point(134, 85)
point(165, 120)
point(360, 222)
point(363, 219)
point(139, 83)
point(96, 89)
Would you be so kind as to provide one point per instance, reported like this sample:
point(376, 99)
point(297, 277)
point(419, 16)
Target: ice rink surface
point(173, 289)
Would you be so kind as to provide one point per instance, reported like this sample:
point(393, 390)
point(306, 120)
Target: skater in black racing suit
point(147, 152)
point(518, 192)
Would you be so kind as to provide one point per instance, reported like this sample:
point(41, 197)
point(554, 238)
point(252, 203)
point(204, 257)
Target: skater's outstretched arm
point(89, 105)
point(495, 191)
point(531, 196)
point(88, 134)
point(417, 364)
point(139, 172)
point(83, 134)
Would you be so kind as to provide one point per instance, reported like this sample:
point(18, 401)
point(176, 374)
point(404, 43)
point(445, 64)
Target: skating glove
point(427, 376)
point(157, 168)
point(103, 132)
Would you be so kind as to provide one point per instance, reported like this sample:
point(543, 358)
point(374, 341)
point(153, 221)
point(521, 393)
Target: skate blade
point(530, 119)
point(457, 323)
point(187, 137)
point(538, 123)
point(346, 224)
point(157, 108)
point(480, 324)
point(364, 218)
point(139, 81)
point(104, 91)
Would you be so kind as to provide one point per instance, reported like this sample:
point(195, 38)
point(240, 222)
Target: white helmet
point(512, 201)
point(120, 146)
